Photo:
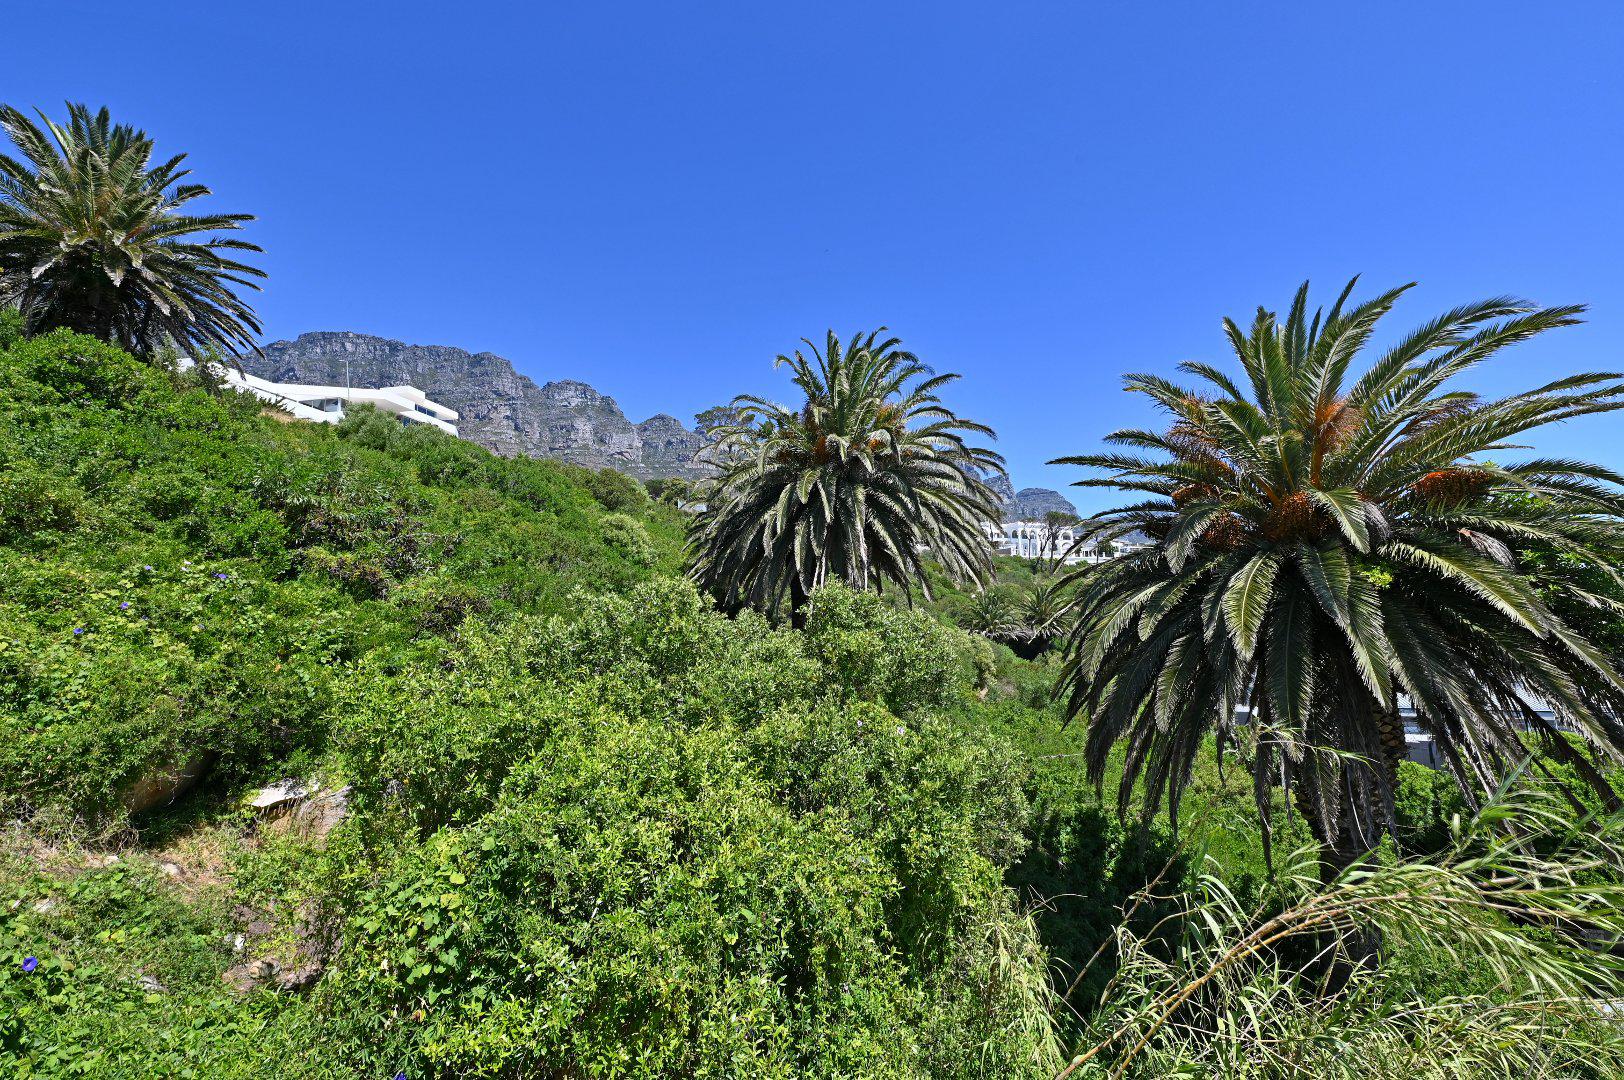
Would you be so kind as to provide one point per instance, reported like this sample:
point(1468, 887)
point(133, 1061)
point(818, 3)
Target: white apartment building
point(1036, 540)
point(326, 404)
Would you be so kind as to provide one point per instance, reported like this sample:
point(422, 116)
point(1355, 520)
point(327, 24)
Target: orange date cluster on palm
point(1451, 487)
point(1227, 532)
point(1296, 517)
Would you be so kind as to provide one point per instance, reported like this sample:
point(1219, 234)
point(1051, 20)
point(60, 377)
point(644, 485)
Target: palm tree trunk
point(1345, 831)
point(1390, 728)
point(798, 597)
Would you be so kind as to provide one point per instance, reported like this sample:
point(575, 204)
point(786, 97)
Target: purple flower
point(401, 1075)
point(124, 606)
point(77, 630)
point(148, 569)
point(30, 964)
point(222, 577)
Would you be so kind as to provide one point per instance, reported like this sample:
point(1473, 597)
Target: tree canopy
point(1332, 541)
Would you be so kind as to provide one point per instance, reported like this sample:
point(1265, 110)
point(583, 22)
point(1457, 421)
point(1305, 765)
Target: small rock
point(153, 986)
point(163, 782)
point(245, 977)
point(172, 869)
point(299, 978)
point(293, 808)
point(279, 794)
point(46, 906)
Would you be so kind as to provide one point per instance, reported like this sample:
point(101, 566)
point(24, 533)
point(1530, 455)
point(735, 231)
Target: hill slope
point(579, 823)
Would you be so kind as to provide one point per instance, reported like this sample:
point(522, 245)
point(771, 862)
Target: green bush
point(613, 489)
point(1427, 802)
point(11, 327)
point(653, 841)
point(627, 536)
point(182, 578)
point(875, 652)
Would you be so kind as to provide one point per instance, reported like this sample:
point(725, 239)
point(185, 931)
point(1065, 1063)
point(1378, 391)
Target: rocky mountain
point(508, 413)
point(1002, 488)
point(500, 408)
point(1027, 504)
point(1031, 504)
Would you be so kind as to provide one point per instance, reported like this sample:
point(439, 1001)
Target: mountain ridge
point(508, 413)
point(501, 409)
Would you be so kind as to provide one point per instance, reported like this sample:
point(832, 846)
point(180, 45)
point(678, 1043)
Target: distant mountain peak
point(501, 409)
point(506, 412)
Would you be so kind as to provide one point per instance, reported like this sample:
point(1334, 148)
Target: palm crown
point(852, 485)
point(1323, 544)
point(92, 238)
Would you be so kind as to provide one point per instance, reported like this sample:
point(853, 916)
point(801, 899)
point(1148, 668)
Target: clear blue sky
point(657, 197)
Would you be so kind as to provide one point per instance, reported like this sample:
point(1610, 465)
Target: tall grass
point(1497, 959)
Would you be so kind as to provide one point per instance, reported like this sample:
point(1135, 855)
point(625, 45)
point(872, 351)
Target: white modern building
point(1419, 744)
point(326, 404)
point(1038, 540)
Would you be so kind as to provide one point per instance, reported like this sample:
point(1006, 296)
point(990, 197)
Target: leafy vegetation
point(853, 485)
point(575, 820)
point(589, 818)
point(185, 578)
point(94, 237)
point(1320, 549)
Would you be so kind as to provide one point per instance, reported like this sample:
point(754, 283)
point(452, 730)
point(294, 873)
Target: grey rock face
point(1027, 504)
point(1031, 504)
point(1002, 488)
point(500, 409)
point(669, 448)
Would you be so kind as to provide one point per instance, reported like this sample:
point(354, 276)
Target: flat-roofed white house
point(1039, 540)
point(326, 404)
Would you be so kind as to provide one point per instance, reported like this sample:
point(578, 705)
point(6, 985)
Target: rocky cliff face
point(1027, 504)
point(509, 414)
point(500, 409)
point(1031, 504)
point(669, 449)
point(1002, 488)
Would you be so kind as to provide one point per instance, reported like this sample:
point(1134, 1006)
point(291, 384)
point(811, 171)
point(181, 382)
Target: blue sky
point(657, 198)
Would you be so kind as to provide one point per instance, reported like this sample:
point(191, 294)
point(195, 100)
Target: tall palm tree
point(93, 238)
point(854, 484)
point(1323, 545)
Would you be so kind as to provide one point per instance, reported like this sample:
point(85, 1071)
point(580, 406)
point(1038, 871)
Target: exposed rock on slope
point(1027, 504)
point(501, 409)
point(1031, 504)
point(668, 447)
point(1002, 488)
point(509, 414)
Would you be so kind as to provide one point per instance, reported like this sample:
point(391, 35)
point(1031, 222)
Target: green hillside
point(589, 819)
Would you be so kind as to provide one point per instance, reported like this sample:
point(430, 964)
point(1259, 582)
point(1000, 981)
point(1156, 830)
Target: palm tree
point(1041, 614)
point(852, 485)
point(92, 238)
point(989, 613)
point(1320, 549)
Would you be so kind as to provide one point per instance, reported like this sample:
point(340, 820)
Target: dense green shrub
point(627, 536)
point(613, 489)
point(653, 841)
point(876, 652)
point(183, 579)
point(596, 827)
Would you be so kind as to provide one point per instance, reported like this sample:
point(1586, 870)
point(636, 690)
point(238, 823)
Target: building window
point(426, 412)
